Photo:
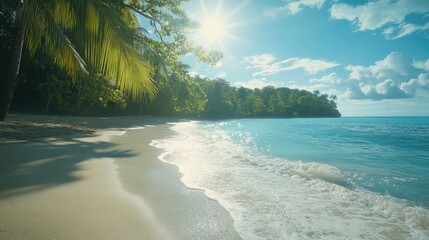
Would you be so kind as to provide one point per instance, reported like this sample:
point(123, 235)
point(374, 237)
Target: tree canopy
point(98, 37)
point(123, 57)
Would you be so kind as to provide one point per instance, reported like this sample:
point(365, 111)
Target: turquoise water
point(385, 155)
point(343, 178)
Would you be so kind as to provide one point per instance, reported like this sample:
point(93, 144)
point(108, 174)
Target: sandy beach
point(97, 178)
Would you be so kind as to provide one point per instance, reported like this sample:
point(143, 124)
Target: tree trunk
point(141, 104)
point(8, 84)
point(48, 104)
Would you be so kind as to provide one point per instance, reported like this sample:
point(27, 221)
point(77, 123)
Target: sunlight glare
point(212, 30)
point(214, 25)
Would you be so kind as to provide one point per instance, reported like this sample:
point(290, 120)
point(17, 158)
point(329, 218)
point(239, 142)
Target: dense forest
point(217, 99)
point(44, 86)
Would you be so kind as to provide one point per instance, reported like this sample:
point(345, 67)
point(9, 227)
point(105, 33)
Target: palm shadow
point(26, 168)
point(30, 128)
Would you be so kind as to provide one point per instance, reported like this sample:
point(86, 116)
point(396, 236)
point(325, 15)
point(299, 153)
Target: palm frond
point(81, 34)
point(112, 50)
point(41, 30)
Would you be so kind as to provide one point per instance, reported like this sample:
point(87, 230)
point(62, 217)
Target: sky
point(373, 55)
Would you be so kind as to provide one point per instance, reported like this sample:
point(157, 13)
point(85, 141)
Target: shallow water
point(347, 178)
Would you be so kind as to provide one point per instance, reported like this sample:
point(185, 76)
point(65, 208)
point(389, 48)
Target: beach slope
point(98, 184)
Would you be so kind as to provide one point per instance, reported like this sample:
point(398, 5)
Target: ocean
point(329, 178)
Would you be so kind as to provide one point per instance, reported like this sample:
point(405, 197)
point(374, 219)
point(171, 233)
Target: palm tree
point(80, 35)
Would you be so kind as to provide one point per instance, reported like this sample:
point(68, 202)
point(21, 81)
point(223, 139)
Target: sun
point(212, 30)
point(215, 26)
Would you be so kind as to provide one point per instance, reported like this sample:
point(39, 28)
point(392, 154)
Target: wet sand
point(97, 178)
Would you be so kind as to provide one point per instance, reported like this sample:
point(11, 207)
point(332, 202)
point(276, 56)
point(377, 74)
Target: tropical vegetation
point(93, 57)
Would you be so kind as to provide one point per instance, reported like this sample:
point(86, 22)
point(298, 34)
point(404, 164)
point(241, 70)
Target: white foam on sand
point(135, 128)
point(275, 198)
point(141, 206)
point(186, 213)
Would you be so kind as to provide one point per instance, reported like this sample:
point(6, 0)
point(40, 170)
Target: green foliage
point(178, 96)
point(221, 99)
point(95, 91)
point(105, 35)
point(217, 99)
point(56, 91)
point(95, 41)
point(225, 101)
point(89, 57)
point(6, 40)
point(80, 35)
point(51, 90)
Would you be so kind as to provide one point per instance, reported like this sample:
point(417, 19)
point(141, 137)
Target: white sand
point(187, 214)
point(89, 205)
point(94, 188)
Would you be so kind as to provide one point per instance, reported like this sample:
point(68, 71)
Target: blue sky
point(373, 55)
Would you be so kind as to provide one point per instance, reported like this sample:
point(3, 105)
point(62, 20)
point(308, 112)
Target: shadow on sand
point(30, 128)
point(39, 152)
point(25, 168)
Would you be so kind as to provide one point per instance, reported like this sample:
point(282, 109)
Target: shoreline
point(84, 185)
point(187, 213)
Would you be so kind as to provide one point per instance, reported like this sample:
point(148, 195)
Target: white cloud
point(268, 67)
point(412, 86)
point(221, 75)
point(256, 83)
point(260, 61)
point(396, 76)
point(358, 72)
point(331, 78)
point(403, 29)
point(383, 13)
point(395, 62)
point(384, 90)
point(294, 7)
point(218, 64)
point(424, 65)
point(395, 65)
point(193, 74)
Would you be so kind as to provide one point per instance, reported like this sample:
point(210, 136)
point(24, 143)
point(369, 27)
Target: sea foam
point(276, 198)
